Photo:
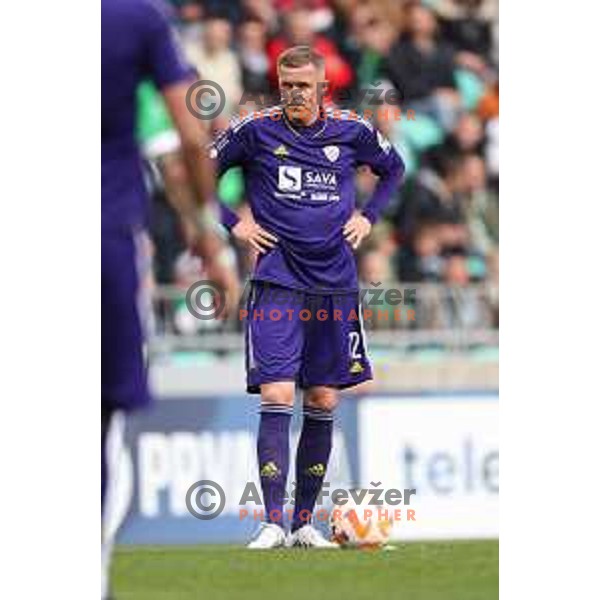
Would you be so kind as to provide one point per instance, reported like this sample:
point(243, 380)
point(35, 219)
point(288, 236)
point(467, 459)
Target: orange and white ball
point(361, 526)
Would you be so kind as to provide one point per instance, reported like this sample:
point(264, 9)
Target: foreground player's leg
point(124, 373)
point(273, 450)
point(106, 417)
point(312, 458)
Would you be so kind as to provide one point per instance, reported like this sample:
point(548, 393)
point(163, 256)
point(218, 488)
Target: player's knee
point(277, 393)
point(323, 398)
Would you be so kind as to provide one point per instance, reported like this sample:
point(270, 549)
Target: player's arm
point(235, 147)
point(194, 140)
point(199, 225)
point(374, 150)
point(172, 75)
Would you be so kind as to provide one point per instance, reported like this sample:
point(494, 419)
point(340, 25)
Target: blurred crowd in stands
point(441, 57)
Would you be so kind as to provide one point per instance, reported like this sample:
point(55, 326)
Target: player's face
point(301, 91)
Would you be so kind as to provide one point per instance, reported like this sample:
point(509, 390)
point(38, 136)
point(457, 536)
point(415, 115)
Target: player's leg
point(334, 357)
point(273, 446)
point(106, 418)
point(124, 380)
point(124, 373)
point(312, 458)
point(273, 451)
point(124, 377)
point(273, 351)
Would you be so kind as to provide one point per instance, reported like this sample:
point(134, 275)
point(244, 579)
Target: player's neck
point(302, 122)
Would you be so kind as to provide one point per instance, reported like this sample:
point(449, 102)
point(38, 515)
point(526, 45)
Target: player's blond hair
point(300, 56)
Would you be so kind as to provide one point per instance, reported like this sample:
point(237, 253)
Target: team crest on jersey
point(384, 143)
point(281, 152)
point(332, 153)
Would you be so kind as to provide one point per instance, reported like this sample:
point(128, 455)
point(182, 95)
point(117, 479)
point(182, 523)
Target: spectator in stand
point(434, 196)
point(368, 40)
point(492, 152)
point(373, 271)
point(320, 14)
point(297, 31)
point(190, 24)
point(215, 60)
point(421, 259)
point(373, 268)
point(421, 67)
point(489, 105)
point(467, 25)
point(459, 305)
point(489, 110)
point(481, 208)
point(467, 137)
point(263, 10)
point(188, 270)
point(253, 56)
point(431, 219)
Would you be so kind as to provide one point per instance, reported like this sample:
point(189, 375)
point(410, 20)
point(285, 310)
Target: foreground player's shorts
point(312, 339)
point(124, 376)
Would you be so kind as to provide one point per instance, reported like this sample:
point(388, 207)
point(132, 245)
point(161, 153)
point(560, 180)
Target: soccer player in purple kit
point(299, 163)
point(138, 44)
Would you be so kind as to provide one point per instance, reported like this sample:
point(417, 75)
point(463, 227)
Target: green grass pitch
point(462, 570)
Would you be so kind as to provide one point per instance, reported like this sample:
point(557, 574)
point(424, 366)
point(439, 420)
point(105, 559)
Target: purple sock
point(274, 457)
point(312, 457)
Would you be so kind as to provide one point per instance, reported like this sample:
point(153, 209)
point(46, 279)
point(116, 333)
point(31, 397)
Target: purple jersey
point(137, 44)
point(300, 186)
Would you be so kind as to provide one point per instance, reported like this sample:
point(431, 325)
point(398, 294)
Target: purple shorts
point(311, 339)
point(124, 373)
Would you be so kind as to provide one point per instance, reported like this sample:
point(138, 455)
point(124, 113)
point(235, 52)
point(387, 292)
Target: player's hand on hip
point(357, 229)
point(250, 232)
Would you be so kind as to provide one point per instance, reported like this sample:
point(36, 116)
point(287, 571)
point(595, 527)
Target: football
point(360, 526)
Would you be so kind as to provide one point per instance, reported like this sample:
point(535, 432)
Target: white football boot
point(269, 536)
point(310, 537)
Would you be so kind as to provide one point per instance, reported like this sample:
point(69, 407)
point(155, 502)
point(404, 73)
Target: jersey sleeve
point(376, 151)
point(234, 146)
point(165, 62)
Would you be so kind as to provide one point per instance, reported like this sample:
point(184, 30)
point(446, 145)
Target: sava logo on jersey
point(290, 179)
point(295, 179)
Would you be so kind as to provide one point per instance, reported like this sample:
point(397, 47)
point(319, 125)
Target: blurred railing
point(431, 316)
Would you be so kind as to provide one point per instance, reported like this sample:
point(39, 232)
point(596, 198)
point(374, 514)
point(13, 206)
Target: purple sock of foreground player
point(274, 457)
point(312, 457)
